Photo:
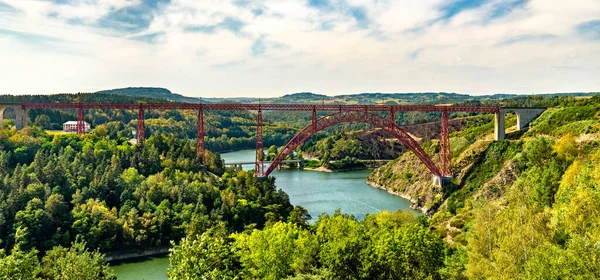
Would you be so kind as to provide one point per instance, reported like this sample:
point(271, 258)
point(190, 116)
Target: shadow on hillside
point(516, 134)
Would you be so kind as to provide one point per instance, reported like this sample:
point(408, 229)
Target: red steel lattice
point(200, 137)
point(264, 107)
point(445, 147)
point(80, 121)
point(354, 116)
point(259, 165)
point(344, 113)
point(141, 127)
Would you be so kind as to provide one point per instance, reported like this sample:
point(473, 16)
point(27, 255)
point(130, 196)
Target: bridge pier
point(499, 126)
point(445, 147)
point(21, 118)
point(80, 121)
point(200, 137)
point(141, 126)
point(259, 164)
point(441, 181)
point(20, 115)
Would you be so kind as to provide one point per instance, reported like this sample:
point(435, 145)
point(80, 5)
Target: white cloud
point(404, 49)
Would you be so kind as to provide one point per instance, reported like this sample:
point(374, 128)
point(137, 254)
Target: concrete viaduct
point(524, 117)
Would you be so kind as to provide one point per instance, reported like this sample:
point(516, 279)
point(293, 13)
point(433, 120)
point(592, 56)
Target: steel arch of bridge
point(387, 125)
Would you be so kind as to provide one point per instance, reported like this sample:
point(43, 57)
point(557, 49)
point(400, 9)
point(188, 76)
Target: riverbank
point(133, 254)
point(366, 165)
point(414, 204)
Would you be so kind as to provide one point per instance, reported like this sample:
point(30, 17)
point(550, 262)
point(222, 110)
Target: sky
point(263, 48)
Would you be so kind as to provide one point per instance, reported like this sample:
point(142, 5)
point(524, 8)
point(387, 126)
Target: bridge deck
point(264, 107)
point(266, 162)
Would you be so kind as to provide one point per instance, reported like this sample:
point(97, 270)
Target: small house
point(72, 126)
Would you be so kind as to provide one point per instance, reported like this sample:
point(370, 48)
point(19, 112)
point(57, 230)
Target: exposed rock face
point(408, 178)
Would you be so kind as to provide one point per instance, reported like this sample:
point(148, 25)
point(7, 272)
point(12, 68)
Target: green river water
point(318, 192)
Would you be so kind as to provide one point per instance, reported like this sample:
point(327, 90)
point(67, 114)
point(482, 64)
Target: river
point(318, 192)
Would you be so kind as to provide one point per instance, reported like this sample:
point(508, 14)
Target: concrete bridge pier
point(441, 181)
point(499, 126)
point(20, 114)
point(524, 117)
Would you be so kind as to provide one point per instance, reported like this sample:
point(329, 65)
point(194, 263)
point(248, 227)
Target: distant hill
point(152, 94)
point(389, 98)
point(149, 92)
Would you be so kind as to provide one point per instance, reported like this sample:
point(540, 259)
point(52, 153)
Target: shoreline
point(413, 203)
point(134, 254)
point(324, 169)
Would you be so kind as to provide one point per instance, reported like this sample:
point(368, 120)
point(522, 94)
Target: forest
point(112, 195)
point(523, 208)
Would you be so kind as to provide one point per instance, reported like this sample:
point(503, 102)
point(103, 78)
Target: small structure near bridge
point(71, 126)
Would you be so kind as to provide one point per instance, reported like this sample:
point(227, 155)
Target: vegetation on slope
point(505, 214)
point(117, 196)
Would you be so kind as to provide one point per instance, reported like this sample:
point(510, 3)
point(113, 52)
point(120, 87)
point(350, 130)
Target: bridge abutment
point(524, 117)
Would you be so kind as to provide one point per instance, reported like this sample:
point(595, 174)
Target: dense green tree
point(271, 152)
point(36, 225)
point(95, 223)
point(19, 264)
point(341, 239)
point(75, 263)
point(299, 216)
point(207, 256)
point(100, 131)
point(42, 121)
point(276, 252)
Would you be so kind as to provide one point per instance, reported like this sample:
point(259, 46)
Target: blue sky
point(220, 48)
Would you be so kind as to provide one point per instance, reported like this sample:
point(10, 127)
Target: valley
point(119, 196)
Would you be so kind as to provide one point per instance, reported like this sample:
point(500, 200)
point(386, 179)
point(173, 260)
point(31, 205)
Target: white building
point(72, 126)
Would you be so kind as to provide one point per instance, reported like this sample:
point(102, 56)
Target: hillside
point(541, 185)
point(478, 161)
point(396, 98)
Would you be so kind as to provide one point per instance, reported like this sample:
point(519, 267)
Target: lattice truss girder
point(344, 113)
point(354, 116)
